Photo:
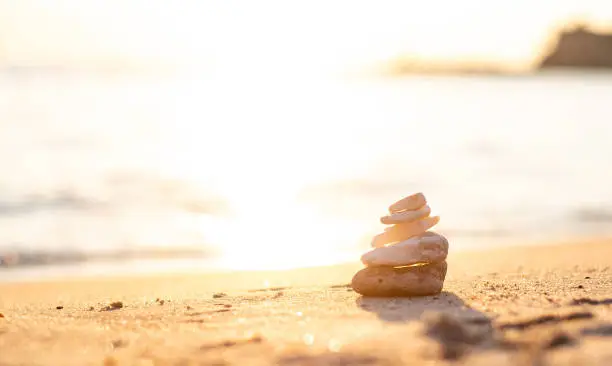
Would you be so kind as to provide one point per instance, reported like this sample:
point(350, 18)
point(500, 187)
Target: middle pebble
point(404, 231)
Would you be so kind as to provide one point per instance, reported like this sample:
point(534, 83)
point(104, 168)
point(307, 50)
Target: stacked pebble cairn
point(408, 260)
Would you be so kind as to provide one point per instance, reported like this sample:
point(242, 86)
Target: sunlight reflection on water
point(296, 172)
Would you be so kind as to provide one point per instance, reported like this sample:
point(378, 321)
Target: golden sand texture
point(544, 305)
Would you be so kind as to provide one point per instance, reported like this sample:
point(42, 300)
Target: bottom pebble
point(421, 280)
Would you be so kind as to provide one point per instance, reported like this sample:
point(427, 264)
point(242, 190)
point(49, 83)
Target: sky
point(280, 35)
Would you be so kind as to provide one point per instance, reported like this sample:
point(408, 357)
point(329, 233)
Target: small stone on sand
point(113, 306)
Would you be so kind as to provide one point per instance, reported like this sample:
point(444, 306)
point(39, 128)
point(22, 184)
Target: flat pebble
point(404, 231)
point(429, 247)
point(406, 216)
point(411, 202)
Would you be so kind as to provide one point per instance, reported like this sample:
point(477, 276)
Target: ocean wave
point(478, 233)
point(356, 188)
point(592, 215)
point(64, 200)
point(25, 258)
point(118, 191)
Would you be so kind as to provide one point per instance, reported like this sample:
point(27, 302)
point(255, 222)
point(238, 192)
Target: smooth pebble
point(404, 231)
point(422, 280)
point(406, 216)
point(411, 202)
point(430, 247)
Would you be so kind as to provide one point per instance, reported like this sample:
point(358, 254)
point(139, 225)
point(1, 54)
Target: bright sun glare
point(269, 227)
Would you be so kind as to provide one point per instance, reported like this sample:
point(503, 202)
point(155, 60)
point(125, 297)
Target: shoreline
point(206, 266)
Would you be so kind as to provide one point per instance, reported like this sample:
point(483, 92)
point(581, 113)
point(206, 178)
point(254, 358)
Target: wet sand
point(538, 305)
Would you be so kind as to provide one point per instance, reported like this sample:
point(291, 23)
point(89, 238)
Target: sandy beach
point(530, 305)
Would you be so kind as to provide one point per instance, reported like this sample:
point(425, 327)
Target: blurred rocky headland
point(575, 47)
point(580, 48)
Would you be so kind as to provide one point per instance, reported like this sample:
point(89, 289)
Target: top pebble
point(412, 202)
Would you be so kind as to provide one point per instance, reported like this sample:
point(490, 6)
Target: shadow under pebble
point(404, 309)
point(445, 317)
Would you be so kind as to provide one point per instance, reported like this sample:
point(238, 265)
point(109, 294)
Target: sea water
point(123, 173)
